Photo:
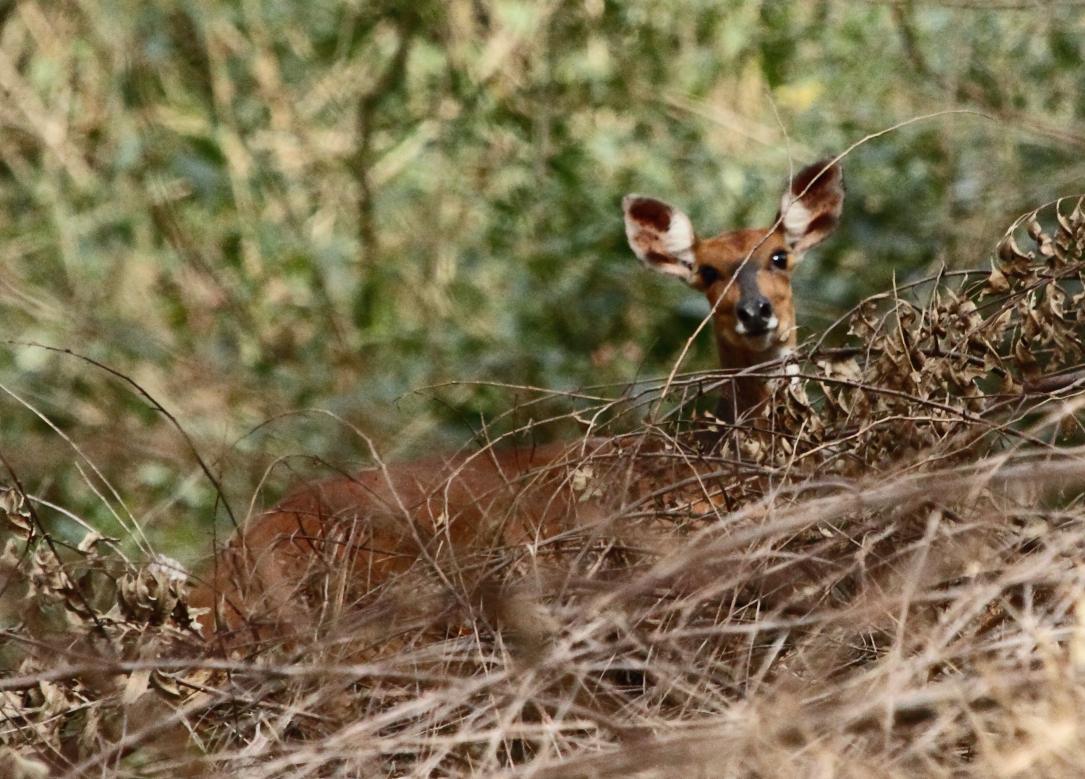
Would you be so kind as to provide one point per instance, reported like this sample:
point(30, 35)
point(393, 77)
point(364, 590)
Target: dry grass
point(881, 576)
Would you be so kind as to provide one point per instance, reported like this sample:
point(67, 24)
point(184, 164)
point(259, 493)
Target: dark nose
point(754, 313)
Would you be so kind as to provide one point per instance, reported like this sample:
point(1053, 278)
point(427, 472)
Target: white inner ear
point(678, 270)
point(675, 244)
point(678, 240)
point(796, 217)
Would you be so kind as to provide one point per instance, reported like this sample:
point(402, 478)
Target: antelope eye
point(709, 275)
point(779, 258)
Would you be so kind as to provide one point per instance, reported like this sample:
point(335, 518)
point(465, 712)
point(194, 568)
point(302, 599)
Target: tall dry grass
point(880, 576)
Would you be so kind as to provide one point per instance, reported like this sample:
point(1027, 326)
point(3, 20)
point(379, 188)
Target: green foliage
point(259, 207)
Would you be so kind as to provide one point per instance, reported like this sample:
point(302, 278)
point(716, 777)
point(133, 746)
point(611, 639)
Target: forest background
point(251, 211)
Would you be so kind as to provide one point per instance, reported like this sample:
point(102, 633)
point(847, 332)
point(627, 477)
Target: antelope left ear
point(660, 235)
point(811, 205)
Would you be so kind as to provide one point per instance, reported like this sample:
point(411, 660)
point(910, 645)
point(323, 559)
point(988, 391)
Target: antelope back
point(353, 534)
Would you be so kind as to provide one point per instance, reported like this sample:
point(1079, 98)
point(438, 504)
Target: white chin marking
point(761, 343)
point(791, 369)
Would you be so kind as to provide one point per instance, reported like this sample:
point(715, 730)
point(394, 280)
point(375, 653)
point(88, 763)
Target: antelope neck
point(741, 393)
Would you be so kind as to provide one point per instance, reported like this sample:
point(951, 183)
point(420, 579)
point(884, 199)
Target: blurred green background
point(253, 208)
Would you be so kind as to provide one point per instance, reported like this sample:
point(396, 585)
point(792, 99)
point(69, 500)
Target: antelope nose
point(755, 316)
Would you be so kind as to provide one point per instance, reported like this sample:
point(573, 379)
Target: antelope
point(746, 274)
point(368, 527)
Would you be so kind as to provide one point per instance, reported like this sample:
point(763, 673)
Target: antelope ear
point(811, 205)
point(660, 235)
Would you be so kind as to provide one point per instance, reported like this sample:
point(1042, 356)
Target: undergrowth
point(880, 576)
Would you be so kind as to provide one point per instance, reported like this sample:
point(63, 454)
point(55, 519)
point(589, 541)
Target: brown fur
point(727, 253)
point(356, 533)
point(742, 260)
point(376, 524)
point(652, 212)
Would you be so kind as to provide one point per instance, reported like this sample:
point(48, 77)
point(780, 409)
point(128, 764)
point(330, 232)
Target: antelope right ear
point(660, 235)
point(810, 206)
